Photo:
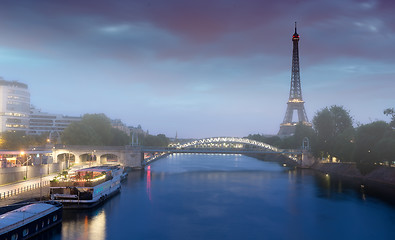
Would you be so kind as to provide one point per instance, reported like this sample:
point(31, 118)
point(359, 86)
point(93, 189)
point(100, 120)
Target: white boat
point(87, 187)
point(23, 222)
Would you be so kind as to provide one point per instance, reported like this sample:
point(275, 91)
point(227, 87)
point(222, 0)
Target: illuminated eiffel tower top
point(295, 101)
point(295, 92)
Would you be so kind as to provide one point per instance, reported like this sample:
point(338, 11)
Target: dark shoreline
point(379, 183)
point(382, 175)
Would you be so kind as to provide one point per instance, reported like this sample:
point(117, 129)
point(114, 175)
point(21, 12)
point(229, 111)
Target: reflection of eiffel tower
point(295, 102)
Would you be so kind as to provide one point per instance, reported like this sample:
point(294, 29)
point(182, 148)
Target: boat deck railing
point(78, 183)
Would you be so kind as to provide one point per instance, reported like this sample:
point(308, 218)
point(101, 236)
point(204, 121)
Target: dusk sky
point(200, 68)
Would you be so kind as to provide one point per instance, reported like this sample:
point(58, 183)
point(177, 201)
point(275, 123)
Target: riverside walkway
point(31, 189)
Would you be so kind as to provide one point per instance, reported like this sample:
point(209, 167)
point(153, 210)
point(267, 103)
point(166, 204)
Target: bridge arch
point(109, 158)
point(219, 140)
point(66, 156)
point(87, 158)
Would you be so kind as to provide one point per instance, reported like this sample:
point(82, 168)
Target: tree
point(272, 140)
point(329, 125)
point(101, 125)
point(257, 137)
point(390, 112)
point(369, 142)
point(295, 141)
point(78, 133)
point(159, 140)
point(302, 131)
point(94, 129)
point(119, 138)
point(385, 149)
point(19, 140)
point(344, 145)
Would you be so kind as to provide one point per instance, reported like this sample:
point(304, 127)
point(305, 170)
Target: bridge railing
point(255, 149)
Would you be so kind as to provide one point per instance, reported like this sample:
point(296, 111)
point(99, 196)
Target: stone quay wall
point(16, 174)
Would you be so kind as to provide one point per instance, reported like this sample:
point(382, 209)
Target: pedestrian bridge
point(223, 145)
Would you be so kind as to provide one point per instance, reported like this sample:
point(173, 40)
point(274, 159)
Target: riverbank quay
point(380, 181)
point(30, 196)
point(28, 190)
point(17, 174)
point(380, 175)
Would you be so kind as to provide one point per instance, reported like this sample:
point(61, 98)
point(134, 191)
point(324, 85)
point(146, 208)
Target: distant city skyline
point(200, 68)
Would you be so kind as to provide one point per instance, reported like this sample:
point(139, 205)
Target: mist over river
point(202, 196)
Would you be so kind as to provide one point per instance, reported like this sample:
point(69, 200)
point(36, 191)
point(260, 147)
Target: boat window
point(49, 221)
point(25, 232)
point(55, 218)
point(36, 227)
point(14, 236)
point(42, 224)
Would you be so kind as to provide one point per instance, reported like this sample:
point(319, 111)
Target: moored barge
point(87, 187)
point(29, 220)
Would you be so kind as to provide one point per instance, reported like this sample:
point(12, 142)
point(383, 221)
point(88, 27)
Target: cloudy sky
point(200, 68)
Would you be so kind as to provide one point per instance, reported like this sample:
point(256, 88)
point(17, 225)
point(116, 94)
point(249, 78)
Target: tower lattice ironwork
point(295, 102)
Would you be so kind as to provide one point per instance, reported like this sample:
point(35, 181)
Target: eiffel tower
point(295, 102)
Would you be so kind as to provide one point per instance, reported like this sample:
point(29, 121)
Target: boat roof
point(98, 169)
point(17, 215)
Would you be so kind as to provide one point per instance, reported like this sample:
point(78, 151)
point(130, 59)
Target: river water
point(199, 196)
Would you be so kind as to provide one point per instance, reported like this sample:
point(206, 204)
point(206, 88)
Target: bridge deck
point(222, 150)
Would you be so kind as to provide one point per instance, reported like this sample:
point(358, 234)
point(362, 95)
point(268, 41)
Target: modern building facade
point(17, 114)
point(14, 106)
point(41, 122)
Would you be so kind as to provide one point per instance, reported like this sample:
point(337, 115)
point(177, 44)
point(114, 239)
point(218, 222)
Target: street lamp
point(24, 162)
point(41, 174)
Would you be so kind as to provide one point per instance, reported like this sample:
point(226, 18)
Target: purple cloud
point(210, 57)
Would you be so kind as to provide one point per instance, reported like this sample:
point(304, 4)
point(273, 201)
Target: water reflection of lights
point(91, 228)
point(98, 226)
point(363, 192)
point(149, 182)
point(86, 224)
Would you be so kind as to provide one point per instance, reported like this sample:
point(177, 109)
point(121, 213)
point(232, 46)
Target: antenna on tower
point(295, 27)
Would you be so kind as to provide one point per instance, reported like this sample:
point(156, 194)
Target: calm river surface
point(192, 196)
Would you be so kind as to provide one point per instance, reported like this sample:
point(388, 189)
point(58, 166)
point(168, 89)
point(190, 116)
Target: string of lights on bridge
point(229, 142)
point(207, 141)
